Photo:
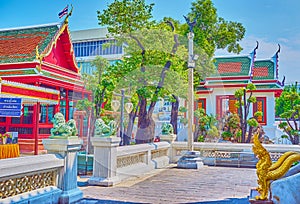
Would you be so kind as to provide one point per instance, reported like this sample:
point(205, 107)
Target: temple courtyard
point(208, 184)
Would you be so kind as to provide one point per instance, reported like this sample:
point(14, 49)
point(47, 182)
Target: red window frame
point(201, 103)
point(261, 105)
point(219, 101)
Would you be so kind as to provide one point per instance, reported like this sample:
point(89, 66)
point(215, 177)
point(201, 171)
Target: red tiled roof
point(19, 45)
point(230, 67)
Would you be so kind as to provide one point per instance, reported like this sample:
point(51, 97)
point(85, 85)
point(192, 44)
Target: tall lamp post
point(128, 107)
point(191, 159)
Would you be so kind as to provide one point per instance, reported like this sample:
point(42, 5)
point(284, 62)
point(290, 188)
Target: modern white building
point(88, 44)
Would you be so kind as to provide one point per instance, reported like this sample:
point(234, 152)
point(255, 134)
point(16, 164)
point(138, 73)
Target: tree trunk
point(131, 120)
point(174, 113)
point(146, 125)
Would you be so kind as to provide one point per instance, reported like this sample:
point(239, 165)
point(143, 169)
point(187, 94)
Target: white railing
point(219, 150)
point(134, 160)
point(26, 176)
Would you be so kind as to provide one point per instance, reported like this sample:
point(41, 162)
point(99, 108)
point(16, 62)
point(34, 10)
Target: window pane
point(43, 112)
point(50, 113)
point(28, 119)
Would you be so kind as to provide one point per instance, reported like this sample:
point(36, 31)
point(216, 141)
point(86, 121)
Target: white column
point(67, 181)
point(105, 161)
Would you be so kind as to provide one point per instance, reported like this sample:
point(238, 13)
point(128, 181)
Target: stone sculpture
point(61, 129)
point(104, 130)
point(167, 129)
point(266, 171)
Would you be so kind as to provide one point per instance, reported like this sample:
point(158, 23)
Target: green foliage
point(245, 99)
point(84, 104)
point(126, 16)
point(206, 124)
point(258, 114)
point(226, 135)
point(288, 98)
point(182, 109)
point(213, 132)
point(288, 105)
point(239, 93)
point(213, 32)
point(230, 125)
point(183, 121)
point(201, 138)
point(252, 122)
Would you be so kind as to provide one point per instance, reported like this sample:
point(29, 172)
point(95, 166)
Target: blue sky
point(268, 21)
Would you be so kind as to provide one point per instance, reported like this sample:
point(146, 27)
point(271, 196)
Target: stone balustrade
point(35, 179)
point(228, 150)
point(54, 176)
point(23, 178)
point(113, 163)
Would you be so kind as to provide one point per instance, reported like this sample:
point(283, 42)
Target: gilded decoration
point(15, 186)
point(266, 171)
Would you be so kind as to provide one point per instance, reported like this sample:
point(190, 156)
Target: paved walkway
point(210, 185)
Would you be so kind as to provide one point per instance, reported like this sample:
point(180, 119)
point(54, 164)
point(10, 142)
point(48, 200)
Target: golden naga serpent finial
point(38, 57)
point(266, 171)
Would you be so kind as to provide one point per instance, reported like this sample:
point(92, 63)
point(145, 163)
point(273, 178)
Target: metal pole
point(122, 117)
point(191, 66)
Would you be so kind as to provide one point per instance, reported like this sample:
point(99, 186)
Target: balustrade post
point(105, 161)
point(170, 138)
point(67, 181)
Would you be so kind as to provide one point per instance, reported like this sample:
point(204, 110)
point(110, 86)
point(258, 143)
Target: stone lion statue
point(167, 129)
point(104, 130)
point(61, 129)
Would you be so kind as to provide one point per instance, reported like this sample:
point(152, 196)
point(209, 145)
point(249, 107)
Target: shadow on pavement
point(227, 201)
point(96, 201)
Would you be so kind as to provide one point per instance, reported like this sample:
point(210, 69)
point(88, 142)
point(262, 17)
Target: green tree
point(205, 126)
point(213, 32)
point(290, 101)
point(243, 105)
point(282, 105)
point(152, 45)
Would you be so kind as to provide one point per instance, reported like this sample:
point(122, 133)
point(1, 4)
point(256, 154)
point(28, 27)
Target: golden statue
point(266, 171)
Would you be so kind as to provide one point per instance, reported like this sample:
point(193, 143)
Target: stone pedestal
point(105, 161)
point(190, 160)
point(67, 181)
point(253, 193)
point(168, 138)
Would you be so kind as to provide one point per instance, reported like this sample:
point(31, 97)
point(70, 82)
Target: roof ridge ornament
point(66, 21)
point(39, 57)
point(275, 58)
point(253, 56)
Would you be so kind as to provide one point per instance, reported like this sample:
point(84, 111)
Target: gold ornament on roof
point(266, 171)
point(39, 57)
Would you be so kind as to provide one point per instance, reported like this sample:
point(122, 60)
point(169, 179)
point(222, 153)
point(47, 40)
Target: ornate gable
point(60, 51)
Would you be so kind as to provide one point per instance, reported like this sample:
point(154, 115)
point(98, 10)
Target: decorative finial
point(191, 24)
point(69, 14)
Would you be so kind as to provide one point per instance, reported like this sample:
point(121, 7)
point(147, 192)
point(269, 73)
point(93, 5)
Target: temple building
point(37, 64)
point(216, 93)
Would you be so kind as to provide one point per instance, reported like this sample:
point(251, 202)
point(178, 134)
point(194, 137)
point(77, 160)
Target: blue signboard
point(10, 107)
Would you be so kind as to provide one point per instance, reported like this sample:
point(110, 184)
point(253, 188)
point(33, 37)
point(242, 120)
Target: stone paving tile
point(205, 185)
